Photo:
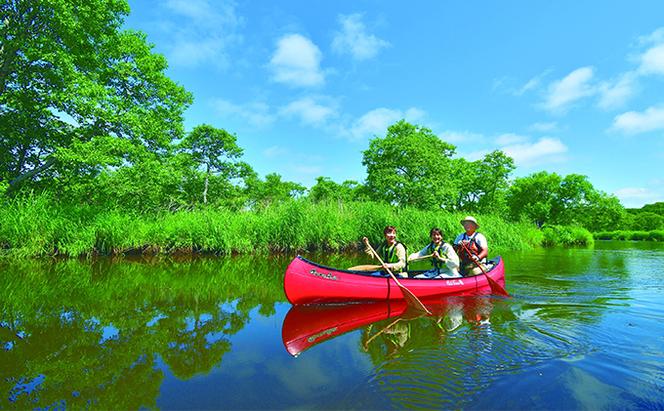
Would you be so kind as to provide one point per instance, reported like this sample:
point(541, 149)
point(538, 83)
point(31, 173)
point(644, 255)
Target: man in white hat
point(473, 241)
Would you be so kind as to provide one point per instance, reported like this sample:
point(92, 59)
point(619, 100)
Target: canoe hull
point(306, 282)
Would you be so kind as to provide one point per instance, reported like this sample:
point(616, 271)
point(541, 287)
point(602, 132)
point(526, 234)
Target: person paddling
point(392, 252)
point(475, 243)
point(444, 259)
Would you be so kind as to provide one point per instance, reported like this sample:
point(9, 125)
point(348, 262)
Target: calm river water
point(584, 329)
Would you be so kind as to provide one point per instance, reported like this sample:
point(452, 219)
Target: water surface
point(584, 329)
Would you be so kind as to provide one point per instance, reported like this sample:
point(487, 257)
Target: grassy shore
point(38, 227)
point(628, 235)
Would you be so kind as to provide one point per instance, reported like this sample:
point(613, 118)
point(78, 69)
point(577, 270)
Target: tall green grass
point(555, 235)
point(627, 235)
point(36, 226)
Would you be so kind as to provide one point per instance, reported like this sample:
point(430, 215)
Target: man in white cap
point(474, 242)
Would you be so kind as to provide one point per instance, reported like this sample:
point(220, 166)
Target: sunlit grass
point(34, 226)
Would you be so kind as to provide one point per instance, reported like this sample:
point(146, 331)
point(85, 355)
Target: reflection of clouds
point(589, 392)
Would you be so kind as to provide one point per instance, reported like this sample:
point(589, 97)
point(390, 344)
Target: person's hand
point(436, 255)
point(365, 240)
point(475, 258)
point(385, 267)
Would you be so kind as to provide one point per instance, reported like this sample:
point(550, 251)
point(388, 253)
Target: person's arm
point(365, 241)
point(452, 258)
point(401, 255)
point(418, 254)
point(485, 247)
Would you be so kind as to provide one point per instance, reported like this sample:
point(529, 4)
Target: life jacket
point(473, 246)
point(431, 248)
point(389, 254)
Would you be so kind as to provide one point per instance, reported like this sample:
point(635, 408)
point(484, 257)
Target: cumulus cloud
point(652, 60)
point(464, 136)
point(571, 88)
point(256, 114)
point(543, 127)
point(353, 39)
point(202, 33)
point(296, 62)
point(510, 138)
point(634, 122)
point(637, 196)
point(376, 121)
point(309, 111)
point(616, 93)
point(544, 150)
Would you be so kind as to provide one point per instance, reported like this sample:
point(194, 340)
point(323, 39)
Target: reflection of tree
point(197, 347)
point(54, 317)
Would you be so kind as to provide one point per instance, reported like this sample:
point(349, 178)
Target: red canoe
point(307, 283)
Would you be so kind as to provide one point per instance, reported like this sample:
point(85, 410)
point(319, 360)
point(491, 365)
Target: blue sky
point(566, 86)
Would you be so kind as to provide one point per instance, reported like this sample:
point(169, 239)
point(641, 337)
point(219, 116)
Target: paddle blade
point(413, 301)
point(496, 288)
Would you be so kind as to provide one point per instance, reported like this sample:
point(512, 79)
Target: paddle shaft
point(495, 287)
point(416, 303)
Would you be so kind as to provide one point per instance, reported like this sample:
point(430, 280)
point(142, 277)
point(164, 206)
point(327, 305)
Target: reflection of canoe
point(307, 325)
point(307, 282)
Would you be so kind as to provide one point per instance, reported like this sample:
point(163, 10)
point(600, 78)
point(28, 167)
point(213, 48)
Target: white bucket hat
point(471, 219)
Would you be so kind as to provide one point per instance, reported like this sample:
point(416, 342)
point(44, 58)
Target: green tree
point(410, 166)
point(272, 190)
point(533, 197)
point(647, 220)
point(482, 185)
point(327, 190)
point(548, 198)
point(214, 149)
point(79, 95)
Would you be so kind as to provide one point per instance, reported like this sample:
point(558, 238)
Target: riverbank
point(39, 227)
point(629, 235)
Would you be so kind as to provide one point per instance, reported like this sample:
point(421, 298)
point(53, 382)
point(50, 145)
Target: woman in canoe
point(471, 246)
point(392, 252)
point(444, 259)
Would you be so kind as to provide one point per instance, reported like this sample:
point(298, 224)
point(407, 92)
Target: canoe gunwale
point(495, 261)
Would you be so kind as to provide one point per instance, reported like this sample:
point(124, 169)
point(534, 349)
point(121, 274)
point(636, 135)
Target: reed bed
point(37, 226)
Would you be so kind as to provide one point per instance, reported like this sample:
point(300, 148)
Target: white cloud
point(257, 114)
point(652, 60)
point(202, 33)
point(573, 87)
point(465, 136)
point(532, 84)
point(354, 40)
point(475, 155)
point(637, 196)
point(296, 62)
point(615, 94)
point(510, 138)
point(543, 127)
point(376, 121)
point(275, 151)
point(309, 111)
point(545, 149)
point(633, 122)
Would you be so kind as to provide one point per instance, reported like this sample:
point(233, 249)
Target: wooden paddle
point(408, 295)
point(495, 287)
point(424, 257)
point(365, 267)
point(373, 267)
